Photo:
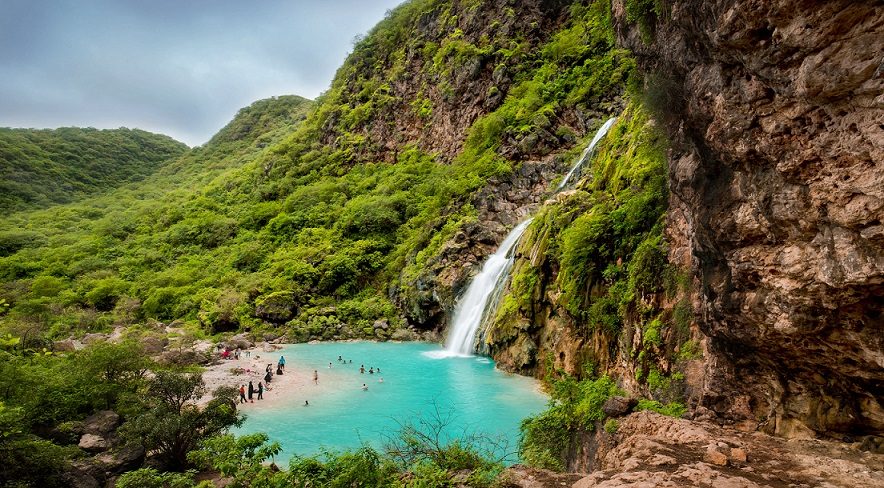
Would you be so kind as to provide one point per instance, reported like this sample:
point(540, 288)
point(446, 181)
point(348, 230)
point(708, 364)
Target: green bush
point(673, 409)
point(151, 478)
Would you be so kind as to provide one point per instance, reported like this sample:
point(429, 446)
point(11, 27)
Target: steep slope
point(777, 201)
point(39, 168)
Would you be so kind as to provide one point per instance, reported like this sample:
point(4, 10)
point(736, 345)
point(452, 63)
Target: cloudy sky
point(180, 67)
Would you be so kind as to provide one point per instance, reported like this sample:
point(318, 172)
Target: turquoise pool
point(341, 415)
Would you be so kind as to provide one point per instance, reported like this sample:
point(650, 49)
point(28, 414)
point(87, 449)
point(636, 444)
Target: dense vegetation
point(319, 230)
point(73, 267)
point(39, 168)
point(45, 396)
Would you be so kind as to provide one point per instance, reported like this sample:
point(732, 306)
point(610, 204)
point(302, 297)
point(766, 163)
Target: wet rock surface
point(775, 113)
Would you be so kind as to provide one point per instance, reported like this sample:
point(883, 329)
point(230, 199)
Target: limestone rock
point(120, 460)
point(153, 344)
point(654, 450)
point(739, 455)
point(94, 337)
point(240, 341)
point(714, 456)
point(618, 405)
point(67, 345)
point(774, 111)
point(93, 443)
point(101, 423)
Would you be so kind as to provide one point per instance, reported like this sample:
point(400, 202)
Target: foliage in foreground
point(421, 454)
point(42, 395)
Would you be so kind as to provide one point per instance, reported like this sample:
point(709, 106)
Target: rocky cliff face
point(776, 114)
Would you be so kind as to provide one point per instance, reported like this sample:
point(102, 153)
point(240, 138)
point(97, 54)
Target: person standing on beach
point(315, 377)
point(242, 393)
point(251, 392)
point(282, 362)
point(260, 391)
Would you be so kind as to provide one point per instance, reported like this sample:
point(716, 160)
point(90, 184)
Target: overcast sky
point(179, 67)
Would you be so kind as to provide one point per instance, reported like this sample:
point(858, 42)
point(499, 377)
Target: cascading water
point(475, 304)
point(482, 296)
point(587, 152)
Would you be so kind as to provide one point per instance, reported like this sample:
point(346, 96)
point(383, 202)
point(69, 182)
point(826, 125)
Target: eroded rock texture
point(776, 111)
point(652, 450)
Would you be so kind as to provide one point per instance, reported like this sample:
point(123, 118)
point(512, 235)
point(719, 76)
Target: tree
point(173, 425)
point(113, 369)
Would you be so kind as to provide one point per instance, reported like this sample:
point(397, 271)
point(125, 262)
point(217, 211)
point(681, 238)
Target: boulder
point(76, 478)
point(93, 443)
point(120, 460)
point(94, 337)
point(67, 345)
point(403, 335)
point(381, 324)
point(101, 423)
point(154, 344)
point(739, 455)
point(617, 406)
point(714, 456)
point(240, 341)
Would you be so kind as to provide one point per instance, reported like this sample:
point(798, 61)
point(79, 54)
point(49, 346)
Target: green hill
point(39, 168)
point(326, 227)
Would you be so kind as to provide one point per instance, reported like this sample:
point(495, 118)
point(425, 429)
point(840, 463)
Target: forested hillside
point(331, 228)
point(45, 167)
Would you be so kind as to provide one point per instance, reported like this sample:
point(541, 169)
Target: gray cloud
point(182, 68)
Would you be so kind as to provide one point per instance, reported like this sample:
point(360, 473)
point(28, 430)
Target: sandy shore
point(294, 386)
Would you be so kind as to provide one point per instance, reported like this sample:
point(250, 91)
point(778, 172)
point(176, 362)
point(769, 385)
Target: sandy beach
point(294, 386)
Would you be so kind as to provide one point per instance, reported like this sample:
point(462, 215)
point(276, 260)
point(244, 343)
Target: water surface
point(469, 390)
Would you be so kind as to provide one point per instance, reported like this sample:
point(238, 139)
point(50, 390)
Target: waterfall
point(587, 152)
point(479, 303)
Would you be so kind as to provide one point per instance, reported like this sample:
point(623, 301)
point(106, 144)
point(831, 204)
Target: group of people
point(371, 370)
point(228, 353)
point(247, 394)
point(280, 369)
point(251, 392)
